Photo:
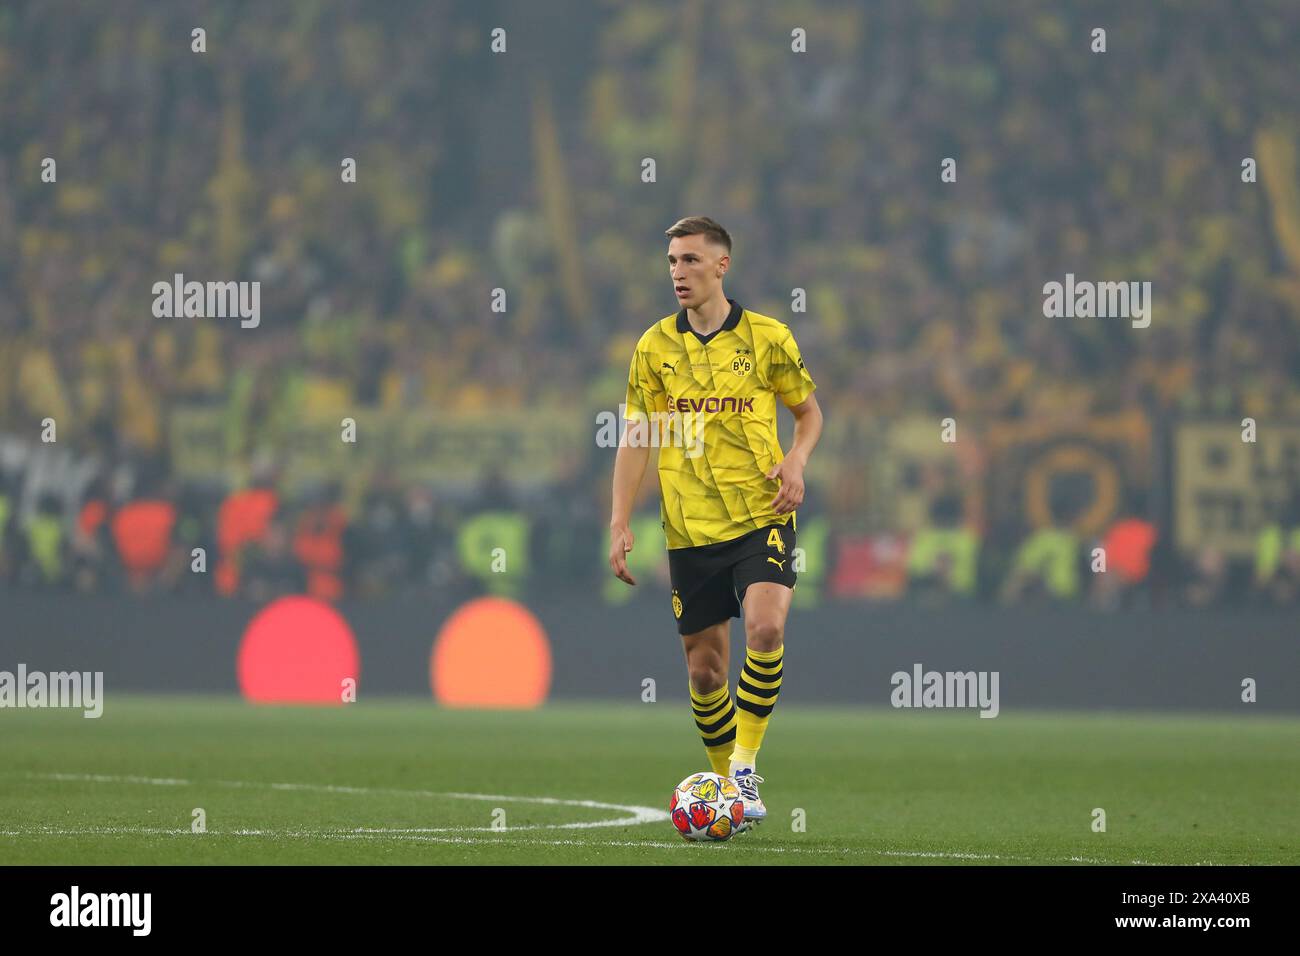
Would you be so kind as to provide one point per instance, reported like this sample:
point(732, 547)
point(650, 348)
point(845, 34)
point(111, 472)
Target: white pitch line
point(424, 834)
point(639, 844)
point(111, 778)
point(635, 815)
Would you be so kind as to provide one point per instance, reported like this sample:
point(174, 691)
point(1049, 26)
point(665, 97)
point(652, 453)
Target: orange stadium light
point(492, 652)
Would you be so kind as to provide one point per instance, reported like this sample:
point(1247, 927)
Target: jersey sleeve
point(786, 374)
point(645, 389)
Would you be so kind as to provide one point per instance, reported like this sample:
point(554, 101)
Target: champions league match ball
point(707, 807)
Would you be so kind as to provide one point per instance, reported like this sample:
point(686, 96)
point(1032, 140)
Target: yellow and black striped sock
point(756, 693)
point(715, 716)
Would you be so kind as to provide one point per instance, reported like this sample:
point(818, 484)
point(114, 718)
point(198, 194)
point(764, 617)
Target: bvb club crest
point(677, 604)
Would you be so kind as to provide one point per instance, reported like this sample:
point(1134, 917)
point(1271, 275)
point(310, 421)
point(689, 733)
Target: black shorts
point(709, 581)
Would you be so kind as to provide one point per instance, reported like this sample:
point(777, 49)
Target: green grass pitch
point(402, 781)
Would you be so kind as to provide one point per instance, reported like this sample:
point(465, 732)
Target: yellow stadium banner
point(525, 448)
point(890, 475)
point(886, 474)
point(916, 466)
point(1042, 472)
point(1226, 489)
point(197, 436)
point(838, 469)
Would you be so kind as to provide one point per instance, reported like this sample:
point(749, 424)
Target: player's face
point(696, 266)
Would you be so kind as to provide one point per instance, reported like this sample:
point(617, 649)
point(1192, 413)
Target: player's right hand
point(620, 543)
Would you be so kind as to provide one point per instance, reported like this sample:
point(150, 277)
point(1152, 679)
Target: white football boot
point(755, 813)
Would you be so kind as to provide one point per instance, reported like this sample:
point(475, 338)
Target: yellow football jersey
point(711, 401)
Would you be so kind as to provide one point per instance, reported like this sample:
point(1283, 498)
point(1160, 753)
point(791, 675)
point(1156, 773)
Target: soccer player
point(703, 388)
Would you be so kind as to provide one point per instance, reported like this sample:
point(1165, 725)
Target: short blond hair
point(700, 226)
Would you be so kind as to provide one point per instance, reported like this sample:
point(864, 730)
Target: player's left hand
point(790, 473)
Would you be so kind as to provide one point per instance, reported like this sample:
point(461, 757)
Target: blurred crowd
point(478, 171)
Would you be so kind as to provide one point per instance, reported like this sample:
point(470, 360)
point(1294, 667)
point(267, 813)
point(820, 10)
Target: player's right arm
point(644, 393)
point(629, 469)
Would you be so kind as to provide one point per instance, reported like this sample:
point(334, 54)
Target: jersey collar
point(732, 320)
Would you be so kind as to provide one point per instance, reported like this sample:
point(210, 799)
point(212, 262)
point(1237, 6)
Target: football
point(707, 806)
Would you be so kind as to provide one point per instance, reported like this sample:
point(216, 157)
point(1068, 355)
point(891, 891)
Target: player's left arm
point(807, 429)
point(791, 381)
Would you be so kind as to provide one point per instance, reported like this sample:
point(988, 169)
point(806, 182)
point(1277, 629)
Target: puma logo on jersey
point(779, 564)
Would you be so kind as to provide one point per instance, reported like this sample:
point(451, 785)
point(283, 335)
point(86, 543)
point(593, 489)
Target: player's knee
point(764, 635)
point(707, 677)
